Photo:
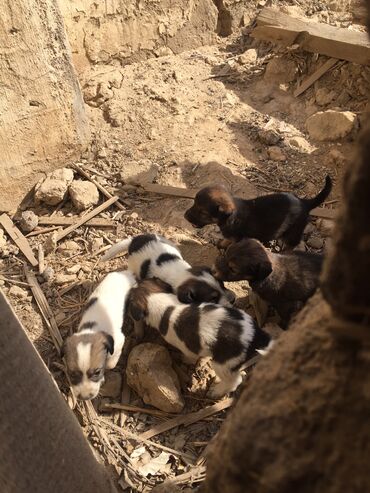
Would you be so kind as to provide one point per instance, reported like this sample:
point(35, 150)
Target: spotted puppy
point(151, 255)
point(228, 335)
point(285, 281)
point(98, 342)
point(266, 218)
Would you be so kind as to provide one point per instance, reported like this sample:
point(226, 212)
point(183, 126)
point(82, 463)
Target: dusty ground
point(186, 121)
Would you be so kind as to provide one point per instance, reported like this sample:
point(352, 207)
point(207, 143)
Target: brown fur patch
point(138, 298)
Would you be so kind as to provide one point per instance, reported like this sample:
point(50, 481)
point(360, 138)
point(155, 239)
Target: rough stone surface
point(18, 292)
point(29, 221)
point(149, 372)
point(68, 248)
point(276, 154)
point(279, 70)
point(112, 385)
point(323, 96)
point(315, 242)
point(301, 144)
point(330, 124)
point(248, 57)
point(53, 189)
point(84, 194)
point(64, 278)
point(269, 137)
point(141, 172)
point(325, 226)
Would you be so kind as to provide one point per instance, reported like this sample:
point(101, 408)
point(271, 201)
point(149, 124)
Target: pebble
point(84, 194)
point(74, 269)
point(64, 278)
point(48, 274)
point(276, 154)
point(301, 144)
point(53, 189)
point(315, 242)
point(29, 221)
point(17, 292)
point(248, 57)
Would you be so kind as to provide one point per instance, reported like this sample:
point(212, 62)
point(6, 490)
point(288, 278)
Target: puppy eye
point(97, 372)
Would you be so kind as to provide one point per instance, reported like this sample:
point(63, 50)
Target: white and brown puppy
point(286, 281)
point(151, 255)
point(228, 335)
point(98, 342)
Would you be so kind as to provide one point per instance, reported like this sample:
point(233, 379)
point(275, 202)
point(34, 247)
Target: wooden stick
point(42, 231)
point(85, 218)
point(45, 309)
point(137, 409)
point(103, 190)
point(18, 238)
point(98, 222)
point(315, 76)
point(41, 259)
point(342, 43)
point(195, 474)
point(325, 213)
point(187, 419)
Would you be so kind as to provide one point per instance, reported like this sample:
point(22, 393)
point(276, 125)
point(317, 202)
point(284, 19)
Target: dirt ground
point(188, 120)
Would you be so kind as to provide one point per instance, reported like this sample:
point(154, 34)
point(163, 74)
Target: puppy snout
point(86, 397)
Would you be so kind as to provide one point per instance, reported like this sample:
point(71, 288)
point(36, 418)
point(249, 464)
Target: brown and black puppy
point(285, 281)
point(266, 218)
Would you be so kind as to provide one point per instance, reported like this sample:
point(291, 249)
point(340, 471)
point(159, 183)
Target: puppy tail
point(321, 196)
point(120, 247)
point(267, 349)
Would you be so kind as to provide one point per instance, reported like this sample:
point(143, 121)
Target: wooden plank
point(186, 419)
point(342, 43)
point(85, 218)
point(324, 213)
point(100, 187)
point(68, 221)
point(18, 238)
point(315, 76)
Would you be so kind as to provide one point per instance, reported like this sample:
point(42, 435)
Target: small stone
point(96, 244)
point(249, 57)
point(279, 70)
point(64, 278)
point(51, 243)
point(17, 292)
point(84, 194)
point(68, 248)
point(48, 274)
point(134, 215)
point(323, 96)
point(269, 137)
point(150, 373)
point(74, 269)
point(330, 124)
point(53, 189)
point(139, 172)
point(29, 221)
point(315, 242)
point(276, 154)
point(325, 226)
point(301, 144)
point(102, 153)
point(112, 385)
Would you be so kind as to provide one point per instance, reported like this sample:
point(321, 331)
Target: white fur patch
point(83, 356)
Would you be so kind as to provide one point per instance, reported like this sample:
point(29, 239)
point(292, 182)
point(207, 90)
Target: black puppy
point(279, 215)
point(285, 281)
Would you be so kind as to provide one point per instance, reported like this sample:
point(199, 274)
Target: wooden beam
point(344, 44)
point(18, 238)
point(315, 76)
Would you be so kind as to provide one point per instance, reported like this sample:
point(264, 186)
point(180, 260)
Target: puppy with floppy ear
point(98, 342)
point(285, 281)
point(279, 215)
point(151, 255)
point(228, 335)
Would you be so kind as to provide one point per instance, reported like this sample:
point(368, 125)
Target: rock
point(29, 221)
point(325, 226)
point(68, 248)
point(84, 194)
point(248, 57)
point(48, 274)
point(64, 278)
point(269, 137)
point(112, 385)
point(17, 292)
point(53, 189)
point(279, 70)
point(141, 172)
point(301, 144)
point(73, 269)
point(330, 124)
point(315, 242)
point(150, 373)
point(276, 154)
point(97, 244)
point(323, 96)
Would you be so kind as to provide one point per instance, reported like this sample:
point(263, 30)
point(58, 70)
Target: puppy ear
point(185, 294)
point(109, 343)
point(263, 270)
point(136, 312)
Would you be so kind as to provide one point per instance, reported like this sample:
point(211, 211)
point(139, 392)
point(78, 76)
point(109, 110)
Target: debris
point(50, 244)
point(74, 269)
point(301, 144)
point(269, 137)
point(315, 76)
point(29, 221)
point(97, 244)
point(97, 222)
point(2, 239)
point(276, 154)
point(157, 464)
point(48, 274)
point(105, 192)
point(280, 70)
point(315, 242)
point(18, 293)
point(166, 487)
point(150, 373)
point(53, 189)
point(139, 172)
point(325, 227)
point(64, 278)
point(112, 385)
point(345, 44)
point(323, 96)
point(41, 256)
point(336, 157)
point(18, 239)
point(84, 194)
point(330, 124)
point(249, 57)
point(136, 409)
point(188, 419)
point(85, 218)
point(322, 212)
point(68, 248)
point(166, 190)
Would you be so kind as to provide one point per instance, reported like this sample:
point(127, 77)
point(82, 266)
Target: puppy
point(228, 335)
point(98, 342)
point(285, 281)
point(279, 215)
point(151, 255)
